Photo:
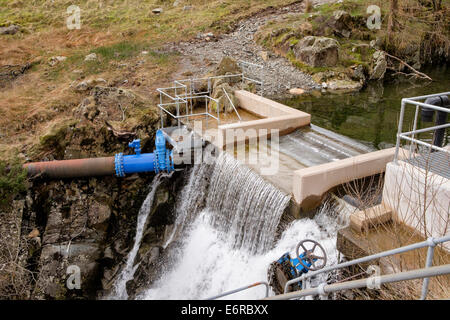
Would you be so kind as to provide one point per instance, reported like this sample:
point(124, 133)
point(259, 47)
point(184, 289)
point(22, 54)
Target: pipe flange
point(118, 164)
point(156, 162)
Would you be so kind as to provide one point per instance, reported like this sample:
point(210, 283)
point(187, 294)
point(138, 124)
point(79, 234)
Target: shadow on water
point(371, 115)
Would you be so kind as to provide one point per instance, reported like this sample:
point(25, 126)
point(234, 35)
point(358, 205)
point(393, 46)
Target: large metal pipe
point(441, 117)
point(72, 168)
point(120, 164)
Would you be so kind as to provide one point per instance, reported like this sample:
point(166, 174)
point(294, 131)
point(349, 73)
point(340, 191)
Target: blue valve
point(136, 145)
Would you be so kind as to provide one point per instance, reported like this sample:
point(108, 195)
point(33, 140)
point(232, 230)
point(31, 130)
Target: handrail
point(323, 289)
point(232, 104)
point(262, 283)
point(400, 135)
point(430, 242)
point(187, 94)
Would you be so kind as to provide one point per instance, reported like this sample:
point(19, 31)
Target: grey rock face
point(379, 66)
point(317, 51)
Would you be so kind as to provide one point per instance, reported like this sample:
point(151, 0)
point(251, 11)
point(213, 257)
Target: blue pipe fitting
point(136, 145)
point(160, 160)
point(118, 163)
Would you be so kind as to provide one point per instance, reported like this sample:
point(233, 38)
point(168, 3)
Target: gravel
point(201, 55)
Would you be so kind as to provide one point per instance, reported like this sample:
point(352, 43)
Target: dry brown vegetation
point(117, 31)
point(395, 233)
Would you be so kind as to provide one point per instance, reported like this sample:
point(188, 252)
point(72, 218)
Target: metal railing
point(232, 104)
point(184, 92)
point(430, 243)
point(410, 136)
point(324, 288)
point(262, 283)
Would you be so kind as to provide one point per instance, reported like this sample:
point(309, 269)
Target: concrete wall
point(310, 184)
point(418, 198)
point(276, 117)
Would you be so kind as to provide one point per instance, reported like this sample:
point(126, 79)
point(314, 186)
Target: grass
point(12, 181)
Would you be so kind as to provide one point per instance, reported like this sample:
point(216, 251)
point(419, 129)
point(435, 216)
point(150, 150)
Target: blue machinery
point(161, 160)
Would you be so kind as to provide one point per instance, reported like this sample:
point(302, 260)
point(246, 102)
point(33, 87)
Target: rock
point(157, 11)
point(376, 44)
point(82, 86)
point(53, 61)
point(264, 55)
point(8, 73)
point(359, 73)
point(296, 91)
point(108, 253)
point(176, 3)
point(33, 234)
point(306, 28)
point(186, 8)
point(89, 84)
point(12, 29)
point(219, 94)
point(379, 66)
point(228, 65)
point(345, 85)
point(91, 57)
point(99, 215)
point(54, 262)
point(317, 51)
point(342, 21)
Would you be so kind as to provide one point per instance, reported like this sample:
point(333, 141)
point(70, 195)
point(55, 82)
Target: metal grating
point(435, 162)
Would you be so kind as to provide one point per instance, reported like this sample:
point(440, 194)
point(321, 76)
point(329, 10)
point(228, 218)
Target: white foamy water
point(227, 217)
point(207, 265)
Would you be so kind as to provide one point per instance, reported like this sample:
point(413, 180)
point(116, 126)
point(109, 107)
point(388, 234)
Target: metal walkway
point(435, 162)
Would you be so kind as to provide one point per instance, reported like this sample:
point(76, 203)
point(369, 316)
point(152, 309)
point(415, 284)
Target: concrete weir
point(307, 184)
point(273, 115)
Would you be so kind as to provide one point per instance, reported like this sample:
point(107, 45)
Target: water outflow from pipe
point(119, 290)
point(226, 224)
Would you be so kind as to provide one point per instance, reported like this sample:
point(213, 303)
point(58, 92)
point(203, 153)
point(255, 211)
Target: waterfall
point(127, 273)
point(248, 209)
point(226, 214)
point(227, 217)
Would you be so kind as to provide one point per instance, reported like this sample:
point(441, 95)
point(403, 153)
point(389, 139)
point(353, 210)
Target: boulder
point(359, 73)
point(12, 29)
point(379, 66)
point(228, 65)
point(344, 85)
point(224, 103)
point(342, 21)
point(317, 51)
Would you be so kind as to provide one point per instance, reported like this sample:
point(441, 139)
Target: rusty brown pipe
point(72, 168)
